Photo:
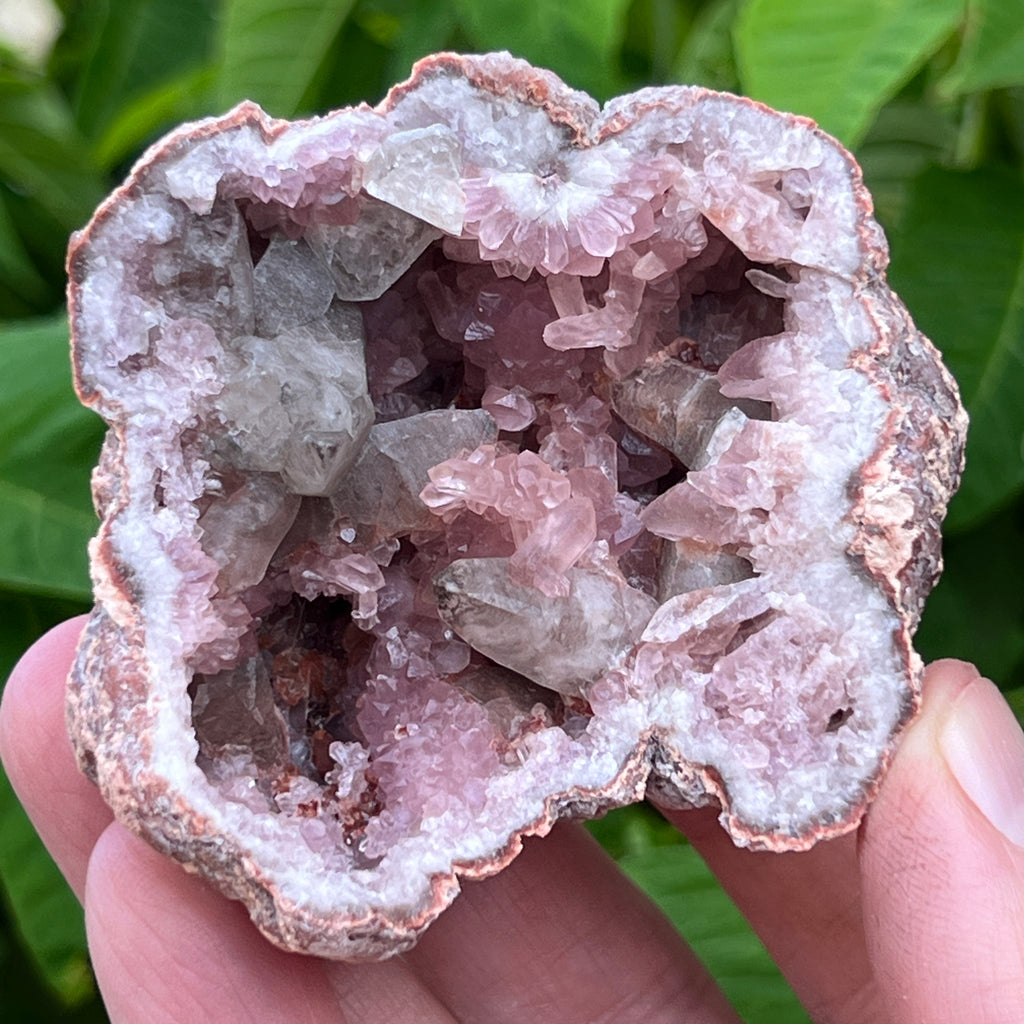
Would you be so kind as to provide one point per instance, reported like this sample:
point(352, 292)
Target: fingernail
point(984, 748)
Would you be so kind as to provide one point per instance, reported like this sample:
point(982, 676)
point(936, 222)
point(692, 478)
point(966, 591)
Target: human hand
point(918, 917)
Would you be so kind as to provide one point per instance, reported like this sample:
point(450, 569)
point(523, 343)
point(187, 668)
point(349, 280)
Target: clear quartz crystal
point(368, 257)
point(293, 286)
point(383, 487)
point(298, 403)
point(686, 566)
point(206, 273)
point(243, 526)
point(418, 171)
point(236, 706)
point(677, 405)
point(559, 642)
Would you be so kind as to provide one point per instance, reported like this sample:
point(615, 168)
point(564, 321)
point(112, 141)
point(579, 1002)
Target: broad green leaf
point(135, 46)
point(578, 41)
point(43, 545)
point(48, 444)
point(140, 120)
point(1015, 698)
point(48, 441)
point(23, 291)
point(354, 68)
point(992, 54)
point(652, 33)
point(977, 610)
point(42, 154)
point(958, 263)
point(272, 51)
point(27, 997)
point(48, 917)
point(681, 884)
point(907, 136)
point(661, 862)
point(635, 829)
point(1010, 106)
point(42, 235)
point(706, 56)
point(838, 62)
point(425, 29)
point(24, 619)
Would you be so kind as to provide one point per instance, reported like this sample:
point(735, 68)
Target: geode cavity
point(486, 457)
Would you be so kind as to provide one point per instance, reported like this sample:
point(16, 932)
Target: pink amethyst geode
point(484, 458)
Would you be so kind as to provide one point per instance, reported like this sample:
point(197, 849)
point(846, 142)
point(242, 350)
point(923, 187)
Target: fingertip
point(983, 747)
point(166, 947)
point(945, 678)
point(64, 806)
point(942, 857)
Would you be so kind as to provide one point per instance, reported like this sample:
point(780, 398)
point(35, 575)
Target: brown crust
point(900, 494)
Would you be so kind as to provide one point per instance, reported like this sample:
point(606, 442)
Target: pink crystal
point(484, 458)
point(511, 410)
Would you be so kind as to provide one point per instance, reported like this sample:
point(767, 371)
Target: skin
point(918, 917)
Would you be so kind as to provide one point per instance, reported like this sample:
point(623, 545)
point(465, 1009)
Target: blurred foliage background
point(928, 93)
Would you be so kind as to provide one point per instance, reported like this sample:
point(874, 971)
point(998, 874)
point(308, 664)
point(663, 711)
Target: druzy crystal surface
point(487, 457)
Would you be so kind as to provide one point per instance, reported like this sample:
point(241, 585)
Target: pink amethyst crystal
point(486, 457)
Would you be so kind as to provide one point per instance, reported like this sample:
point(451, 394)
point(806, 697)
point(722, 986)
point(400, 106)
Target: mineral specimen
point(483, 458)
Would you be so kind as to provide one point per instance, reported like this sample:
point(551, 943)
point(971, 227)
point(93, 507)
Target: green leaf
point(43, 549)
point(48, 444)
point(424, 29)
point(48, 917)
point(42, 154)
point(353, 70)
point(48, 441)
point(23, 290)
point(139, 121)
point(992, 54)
point(1015, 698)
point(958, 263)
point(977, 614)
point(838, 62)
point(634, 829)
point(906, 138)
point(654, 854)
point(681, 884)
point(135, 45)
point(579, 41)
point(1009, 107)
point(271, 51)
point(706, 56)
point(652, 33)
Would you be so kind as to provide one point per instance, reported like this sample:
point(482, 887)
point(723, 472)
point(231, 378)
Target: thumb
point(942, 860)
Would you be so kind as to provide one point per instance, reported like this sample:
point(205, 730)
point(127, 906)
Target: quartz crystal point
point(562, 643)
point(487, 457)
point(677, 405)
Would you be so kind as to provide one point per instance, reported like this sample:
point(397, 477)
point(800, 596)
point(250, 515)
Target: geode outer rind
point(677, 228)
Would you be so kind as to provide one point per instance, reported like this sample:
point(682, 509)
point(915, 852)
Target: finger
point(64, 806)
point(806, 909)
point(562, 936)
point(943, 860)
point(166, 948)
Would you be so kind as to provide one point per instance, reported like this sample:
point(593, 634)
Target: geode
point(483, 458)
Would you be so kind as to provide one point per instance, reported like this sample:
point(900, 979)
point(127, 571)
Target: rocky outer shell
point(896, 503)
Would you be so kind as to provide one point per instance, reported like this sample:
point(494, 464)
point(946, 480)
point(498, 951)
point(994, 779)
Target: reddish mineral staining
point(487, 457)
